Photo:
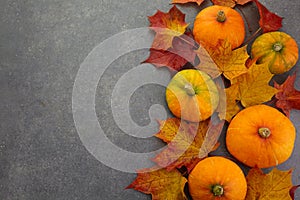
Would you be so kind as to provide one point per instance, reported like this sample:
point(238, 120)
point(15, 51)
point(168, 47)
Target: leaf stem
point(252, 36)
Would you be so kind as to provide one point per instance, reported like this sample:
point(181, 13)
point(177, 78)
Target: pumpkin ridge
point(278, 49)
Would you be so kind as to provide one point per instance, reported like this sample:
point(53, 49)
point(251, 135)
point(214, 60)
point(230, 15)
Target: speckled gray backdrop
point(42, 44)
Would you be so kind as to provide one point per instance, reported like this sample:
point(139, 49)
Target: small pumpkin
point(192, 95)
point(261, 136)
point(279, 49)
point(217, 178)
point(219, 22)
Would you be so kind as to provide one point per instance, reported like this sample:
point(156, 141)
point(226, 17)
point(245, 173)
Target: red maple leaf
point(268, 21)
point(175, 57)
point(167, 26)
point(293, 190)
point(288, 97)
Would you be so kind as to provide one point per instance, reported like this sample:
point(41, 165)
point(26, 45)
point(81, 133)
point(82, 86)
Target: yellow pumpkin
point(219, 22)
point(278, 49)
point(261, 136)
point(192, 95)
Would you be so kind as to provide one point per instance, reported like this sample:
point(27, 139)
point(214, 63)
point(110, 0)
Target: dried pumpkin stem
point(277, 46)
point(264, 132)
point(189, 89)
point(217, 190)
point(221, 17)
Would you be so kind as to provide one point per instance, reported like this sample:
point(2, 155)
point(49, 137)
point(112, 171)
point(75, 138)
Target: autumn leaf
point(275, 185)
point(160, 183)
point(293, 190)
point(167, 26)
point(268, 21)
point(161, 58)
point(184, 46)
point(169, 128)
point(230, 62)
point(288, 97)
point(228, 106)
point(184, 145)
point(242, 2)
point(199, 2)
point(230, 3)
point(210, 142)
point(253, 86)
point(176, 57)
point(207, 64)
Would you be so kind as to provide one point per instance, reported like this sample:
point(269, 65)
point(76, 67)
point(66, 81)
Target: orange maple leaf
point(160, 183)
point(207, 64)
point(230, 63)
point(230, 3)
point(242, 2)
point(288, 97)
point(253, 86)
point(169, 128)
point(276, 185)
point(187, 142)
point(199, 2)
point(167, 26)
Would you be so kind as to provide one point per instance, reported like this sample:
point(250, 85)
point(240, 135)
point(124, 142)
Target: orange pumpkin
point(261, 136)
point(219, 22)
point(192, 95)
point(217, 178)
point(279, 49)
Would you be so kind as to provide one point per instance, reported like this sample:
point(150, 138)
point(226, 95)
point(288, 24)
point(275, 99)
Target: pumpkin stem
point(221, 16)
point(277, 46)
point(264, 132)
point(189, 89)
point(217, 190)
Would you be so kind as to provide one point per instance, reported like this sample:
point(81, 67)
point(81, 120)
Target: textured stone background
point(42, 44)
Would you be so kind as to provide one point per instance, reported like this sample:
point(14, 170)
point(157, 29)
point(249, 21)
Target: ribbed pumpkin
point(192, 95)
point(217, 178)
point(219, 22)
point(278, 49)
point(260, 136)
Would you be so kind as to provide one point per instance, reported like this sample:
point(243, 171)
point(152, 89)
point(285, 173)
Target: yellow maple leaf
point(169, 128)
point(187, 142)
point(228, 106)
point(276, 185)
point(230, 62)
point(160, 183)
point(253, 86)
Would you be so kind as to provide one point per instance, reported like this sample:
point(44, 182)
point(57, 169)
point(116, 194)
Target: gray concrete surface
point(42, 45)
